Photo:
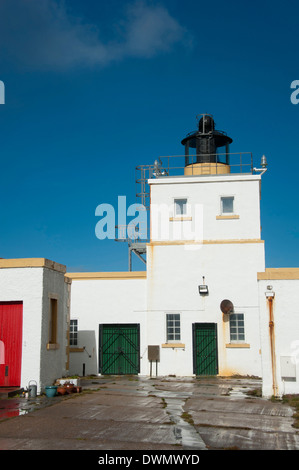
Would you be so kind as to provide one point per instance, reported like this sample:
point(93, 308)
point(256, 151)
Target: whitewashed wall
point(53, 362)
point(174, 274)
point(26, 285)
point(204, 195)
point(228, 258)
point(32, 286)
point(103, 301)
point(286, 335)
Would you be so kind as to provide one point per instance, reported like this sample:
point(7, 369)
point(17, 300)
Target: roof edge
point(278, 273)
point(31, 263)
point(123, 275)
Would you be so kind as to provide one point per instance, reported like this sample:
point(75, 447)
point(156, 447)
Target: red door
point(11, 323)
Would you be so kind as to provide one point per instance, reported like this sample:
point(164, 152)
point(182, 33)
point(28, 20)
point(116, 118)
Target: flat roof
point(123, 275)
point(278, 273)
point(31, 263)
point(204, 178)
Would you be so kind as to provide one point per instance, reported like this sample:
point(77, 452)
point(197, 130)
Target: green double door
point(119, 349)
point(205, 350)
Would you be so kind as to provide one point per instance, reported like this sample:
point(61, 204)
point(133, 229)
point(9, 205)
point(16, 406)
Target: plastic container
point(51, 391)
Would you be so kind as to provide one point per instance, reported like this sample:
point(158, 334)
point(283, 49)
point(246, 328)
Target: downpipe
point(272, 345)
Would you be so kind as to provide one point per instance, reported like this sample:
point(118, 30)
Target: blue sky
point(95, 88)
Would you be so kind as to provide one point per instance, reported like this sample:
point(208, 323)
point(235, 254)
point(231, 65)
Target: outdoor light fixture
point(264, 165)
point(203, 288)
point(264, 162)
point(157, 171)
point(269, 293)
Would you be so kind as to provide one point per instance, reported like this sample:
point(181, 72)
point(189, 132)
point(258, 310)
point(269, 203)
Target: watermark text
point(2, 92)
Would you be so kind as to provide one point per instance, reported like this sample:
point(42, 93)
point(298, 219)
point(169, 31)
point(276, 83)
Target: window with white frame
point(173, 327)
point(237, 327)
point(74, 333)
point(180, 207)
point(227, 204)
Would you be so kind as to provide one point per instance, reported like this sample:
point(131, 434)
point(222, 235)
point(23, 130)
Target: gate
point(11, 326)
point(119, 349)
point(205, 351)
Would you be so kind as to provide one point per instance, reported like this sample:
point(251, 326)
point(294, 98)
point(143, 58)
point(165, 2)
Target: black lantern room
point(206, 142)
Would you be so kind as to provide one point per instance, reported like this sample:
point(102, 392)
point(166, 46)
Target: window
point(236, 326)
point(173, 327)
point(53, 322)
point(74, 333)
point(227, 205)
point(180, 207)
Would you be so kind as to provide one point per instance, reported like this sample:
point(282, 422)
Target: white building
point(164, 303)
point(204, 231)
point(279, 330)
point(205, 305)
point(34, 317)
point(226, 257)
point(108, 323)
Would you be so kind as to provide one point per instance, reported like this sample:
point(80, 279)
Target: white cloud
point(42, 34)
point(149, 30)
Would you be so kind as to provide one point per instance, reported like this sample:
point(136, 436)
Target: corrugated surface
point(11, 323)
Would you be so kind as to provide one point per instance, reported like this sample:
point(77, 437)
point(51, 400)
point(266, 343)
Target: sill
point(173, 345)
point(52, 346)
point(74, 349)
point(227, 217)
point(237, 345)
point(179, 218)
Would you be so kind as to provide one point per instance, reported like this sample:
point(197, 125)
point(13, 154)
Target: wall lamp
point(203, 288)
point(269, 292)
point(264, 165)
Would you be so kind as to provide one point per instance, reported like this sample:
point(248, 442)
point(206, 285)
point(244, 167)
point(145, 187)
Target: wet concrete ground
point(142, 413)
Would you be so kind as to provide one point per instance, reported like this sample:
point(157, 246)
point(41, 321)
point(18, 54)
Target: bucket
point(32, 389)
point(51, 391)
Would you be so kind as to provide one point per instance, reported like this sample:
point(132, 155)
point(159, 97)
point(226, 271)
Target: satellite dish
point(226, 307)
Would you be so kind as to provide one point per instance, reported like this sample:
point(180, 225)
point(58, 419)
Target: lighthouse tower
point(203, 256)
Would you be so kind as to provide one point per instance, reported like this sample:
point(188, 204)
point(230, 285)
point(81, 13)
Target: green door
point(205, 352)
point(119, 349)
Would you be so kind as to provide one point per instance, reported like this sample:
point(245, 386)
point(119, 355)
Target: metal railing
point(240, 162)
point(132, 233)
point(180, 165)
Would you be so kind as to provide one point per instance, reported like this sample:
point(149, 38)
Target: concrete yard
point(158, 413)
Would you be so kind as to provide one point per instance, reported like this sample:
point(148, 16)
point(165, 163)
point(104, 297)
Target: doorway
point(205, 350)
point(11, 332)
point(119, 349)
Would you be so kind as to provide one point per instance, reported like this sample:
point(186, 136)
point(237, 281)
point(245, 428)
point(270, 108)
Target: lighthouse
point(195, 309)
point(210, 258)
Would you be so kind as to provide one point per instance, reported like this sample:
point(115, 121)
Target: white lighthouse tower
point(203, 256)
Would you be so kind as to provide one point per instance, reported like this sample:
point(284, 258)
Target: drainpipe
point(270, 300)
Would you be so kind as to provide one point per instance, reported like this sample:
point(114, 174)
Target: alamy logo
point(166, 225)
point(294, 96)
point(2, 92)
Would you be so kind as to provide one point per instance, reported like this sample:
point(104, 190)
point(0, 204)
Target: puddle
point(12, 407)
point(184, 432)
point(239, 392)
